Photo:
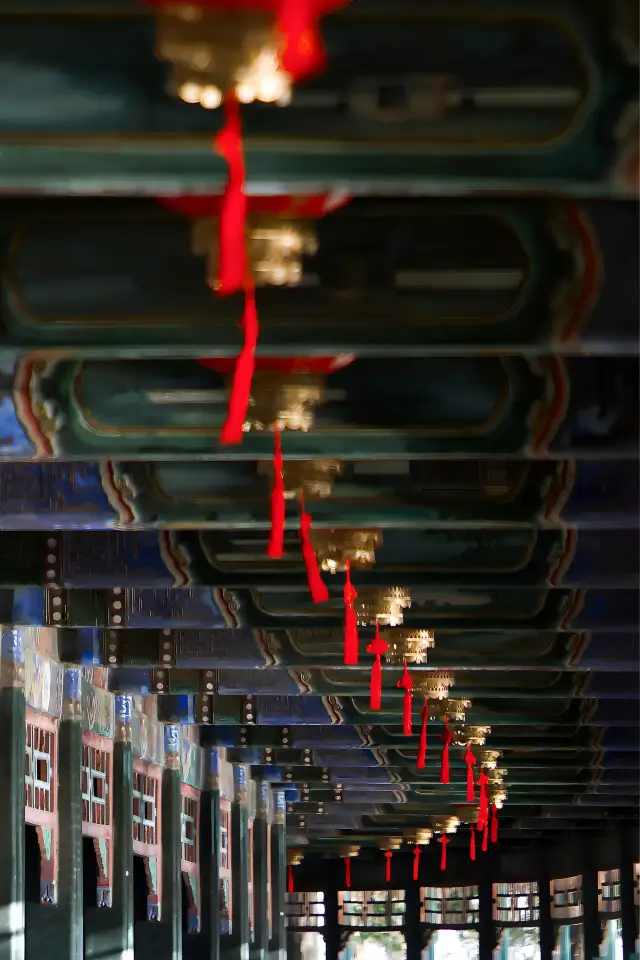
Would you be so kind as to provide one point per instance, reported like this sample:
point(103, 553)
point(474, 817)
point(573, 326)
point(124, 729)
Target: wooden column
point(206, 945)
point(12, 751)
point(69, 908)
point(260, 946)
point(628, 846)
point(332, 934)
point(412, 930)
point(547, 938)
point(235, 946)
point(486, 926)
point(592, 934)
point(171, 915)
point(278, 942)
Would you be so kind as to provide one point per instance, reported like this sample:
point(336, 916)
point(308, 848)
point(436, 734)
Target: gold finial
point(466, 812)
point(420, 837)
point(275, 248)
point(445, 824)
point(294, 858)
point(334, 547)
point(286, 399)
point(434, 685)
point(455, 710)
point(348, 850)
point(409, 645)
point(489, 758)
point(389, 843)
point(497, 795)
point(386, 605)
point(214, 50)
point(308, 478)
point(470, 734)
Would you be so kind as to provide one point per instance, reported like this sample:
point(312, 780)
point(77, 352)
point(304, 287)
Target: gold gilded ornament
point(409, 645)
point(334, 547)
point(462, 735)
point(285, 399)
point(445, 824)
point(213, 51)
point(386, 605)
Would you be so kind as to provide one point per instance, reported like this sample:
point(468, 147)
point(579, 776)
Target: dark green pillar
point(206, 945)
point(547, 935)
point(332, 929)
point(69, 909)
point(235, 946)
point(12, 751)
point(171, 915)
point(261, 827)
point(592, 934)
point(412, 929)
point(278, 867)
point(486, 926)
point(628, 846)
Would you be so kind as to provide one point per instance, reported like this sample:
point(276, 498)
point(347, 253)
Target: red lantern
point(447, 738)
point(406, 683)
point(422, 743)
point(378, 647)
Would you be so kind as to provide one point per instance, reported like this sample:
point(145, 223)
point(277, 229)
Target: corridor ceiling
point(458, 340)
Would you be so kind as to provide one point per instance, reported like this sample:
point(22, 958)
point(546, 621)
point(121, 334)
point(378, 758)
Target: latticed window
point(225, 867)
point(609, 892)
point(371, 908)
point(95, 785)
point(449, 906)
point(516, 902)
point(38, 769)
point(304, 909)
point(189, 829)
point(145, 808)
point(566, 898)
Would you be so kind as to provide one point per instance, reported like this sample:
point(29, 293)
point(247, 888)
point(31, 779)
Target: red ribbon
point(347, 872)
point(302, 51)
point(494, 823)
point(416, 861)
point(447, 738)
point(378, 647)
point(483, 808)
point(350, 622)
point(290, 886)
point(485, 837)
point(406, 683)
point(472, 843)
point(276, 540)
point(469, 759)
point(387, 867)
point(233, 267)
point(317, 586)
point(422, 743)
point(444, 840)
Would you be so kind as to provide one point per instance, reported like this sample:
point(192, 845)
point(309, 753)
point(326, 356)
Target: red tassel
point(469, 759)
point(302, 50)
point(276, 540)
point(444, 840)
point(347, 872)
point(416, 861)
point(472, 843)
point(483, 808)
point(494, 823)
point(447, 738)
point(290, 887)
point(387, 867)
point(243, 373)
point(350, 622)
point(406, 683)
point(378, 647)
point(233, 213)
point(317, 586)
point(422, 744)
point(485, 837)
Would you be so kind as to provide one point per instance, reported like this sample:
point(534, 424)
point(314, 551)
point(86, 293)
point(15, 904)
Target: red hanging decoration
point(350, 622)
point(347, 872)
point(243, 375)
point(494, 823)
point(317, 586)
point(470, 760)
point(290, 886)
point(444, 840)
point(378, 647)
point(387, 867)
point(472, 843)
point(422, 743)
point(485, 837)
point(232, 271)
point(447, 738)
point(406, 683)
point(483, 808)
point(416, 860)
point(275, 548)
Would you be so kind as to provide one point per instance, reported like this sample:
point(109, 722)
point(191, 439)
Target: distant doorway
point(375, 945)
point(453, 945)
